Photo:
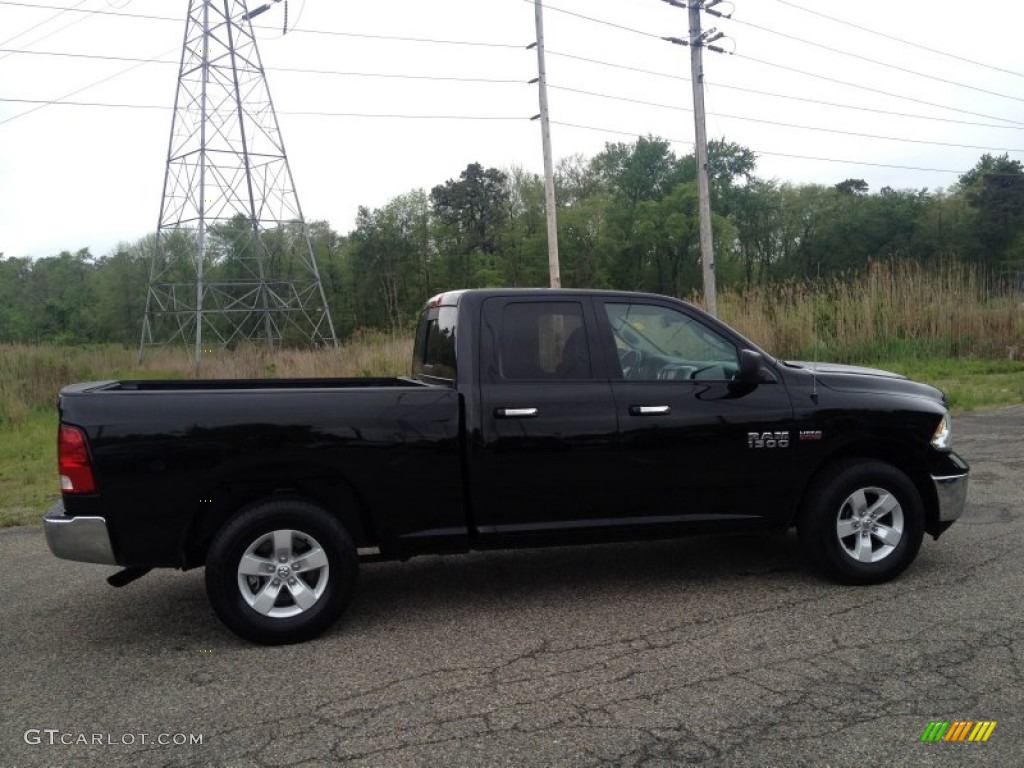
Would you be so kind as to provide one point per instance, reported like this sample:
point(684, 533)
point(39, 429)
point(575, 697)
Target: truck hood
point(855, 378)
point(827, 368)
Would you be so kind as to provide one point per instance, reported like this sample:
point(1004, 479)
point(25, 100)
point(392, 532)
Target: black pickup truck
point(532, 417)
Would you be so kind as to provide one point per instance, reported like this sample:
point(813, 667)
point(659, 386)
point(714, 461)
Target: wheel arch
point(911, 463)
point(232, 496)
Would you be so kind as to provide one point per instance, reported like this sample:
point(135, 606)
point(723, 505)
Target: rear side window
point(434, 353)
point(543, 340)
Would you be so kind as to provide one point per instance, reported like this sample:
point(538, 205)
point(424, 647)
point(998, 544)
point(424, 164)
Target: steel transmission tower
point(233, 261)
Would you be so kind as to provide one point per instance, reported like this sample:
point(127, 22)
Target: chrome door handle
point(515, 413)
point(649, 410)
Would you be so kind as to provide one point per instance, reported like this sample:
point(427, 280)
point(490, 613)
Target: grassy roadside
point(968, 384)
point(28, 473)
point(28, 467)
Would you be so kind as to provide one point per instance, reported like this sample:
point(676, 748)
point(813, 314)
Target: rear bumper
point(84, 539)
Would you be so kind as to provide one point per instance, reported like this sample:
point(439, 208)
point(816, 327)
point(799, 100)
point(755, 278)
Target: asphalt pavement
point(705, 651)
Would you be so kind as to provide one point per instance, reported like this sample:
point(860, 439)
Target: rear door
point(543, 460)
point(694, 444)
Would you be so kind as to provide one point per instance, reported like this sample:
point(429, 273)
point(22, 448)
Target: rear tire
point(862, 522)
point(281, 571)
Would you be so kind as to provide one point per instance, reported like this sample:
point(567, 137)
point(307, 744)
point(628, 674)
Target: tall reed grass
point(899, 309)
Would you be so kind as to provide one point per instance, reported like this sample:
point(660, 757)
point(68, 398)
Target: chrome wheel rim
point(283, 573)
point(870, 524)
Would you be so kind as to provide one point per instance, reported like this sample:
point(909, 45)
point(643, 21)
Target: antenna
point(814, 363)
point(233, 261)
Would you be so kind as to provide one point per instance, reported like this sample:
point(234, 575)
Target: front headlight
point(943, 438)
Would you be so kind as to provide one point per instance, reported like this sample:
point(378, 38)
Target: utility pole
point(707, 247)
point(698, 41)
point(545, 134)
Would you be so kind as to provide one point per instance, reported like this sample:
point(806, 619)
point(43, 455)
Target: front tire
point(281, 571)
point(862, 522)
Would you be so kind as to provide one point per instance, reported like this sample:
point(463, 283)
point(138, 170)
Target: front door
point(687, 448)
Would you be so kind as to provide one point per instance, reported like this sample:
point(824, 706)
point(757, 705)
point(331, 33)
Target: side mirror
point(750, 367)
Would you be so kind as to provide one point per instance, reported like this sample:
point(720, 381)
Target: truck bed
point(204, 385)
point(174, 459)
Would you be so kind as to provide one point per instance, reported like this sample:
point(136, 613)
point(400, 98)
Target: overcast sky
point(91, 176)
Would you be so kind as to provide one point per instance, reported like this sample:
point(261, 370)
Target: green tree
point(586, 242)
point(635, 176)
point(523, 246)
point(391, 256)
point(121, 281)
point(994, 189)
point(852, 187)
point(61, 298)
point(15, 320)
point(472, 212)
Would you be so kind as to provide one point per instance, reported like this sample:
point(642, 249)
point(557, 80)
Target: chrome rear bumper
point(78, 538)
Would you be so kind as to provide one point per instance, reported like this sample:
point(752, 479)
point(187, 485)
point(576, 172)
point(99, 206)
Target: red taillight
point(73, 460)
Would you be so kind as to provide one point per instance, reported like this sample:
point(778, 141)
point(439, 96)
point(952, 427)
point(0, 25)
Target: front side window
point(655, 342)
point(543, 340)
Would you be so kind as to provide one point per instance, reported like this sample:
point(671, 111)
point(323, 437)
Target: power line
point(791, 69)
point(97, 12)
point(380, 115)
point(901, 40)
point(864, 109)
point(112, 105)
point(514, 81)
point(875, 61)
point(299, 70)
point(555, 53)
point(52, 32)
point(858, 162)
point(400, 116)
point(873, 90)
point(516, 46)
point(397, 38)
point(811, 74)
point(618, 98)
point(780, 124)
point(617, 66)
point(94, 56)
point(445, 78)
point(386, 116)
point(1014, 125)
point(770, 154)
point(598, 21)
point(41, 105)
point(47, 20)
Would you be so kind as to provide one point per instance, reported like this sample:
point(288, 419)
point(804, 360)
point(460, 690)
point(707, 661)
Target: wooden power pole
point(707, 248)
point(545, 134)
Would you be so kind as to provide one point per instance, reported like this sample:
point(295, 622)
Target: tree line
point(627, 219)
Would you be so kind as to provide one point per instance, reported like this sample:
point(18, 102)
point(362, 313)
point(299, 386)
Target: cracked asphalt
point(706, 651)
